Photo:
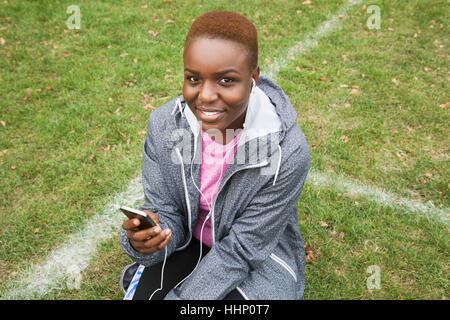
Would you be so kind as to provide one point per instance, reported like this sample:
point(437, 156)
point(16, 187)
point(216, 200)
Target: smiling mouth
point(210, 113)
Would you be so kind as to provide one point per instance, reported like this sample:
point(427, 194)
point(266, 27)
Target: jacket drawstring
point(278, 167)
point(178, 105)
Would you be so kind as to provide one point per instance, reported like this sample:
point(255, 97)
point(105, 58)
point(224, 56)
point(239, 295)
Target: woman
point(223, 168)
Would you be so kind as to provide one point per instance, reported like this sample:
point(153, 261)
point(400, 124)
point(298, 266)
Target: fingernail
point(167, 232)
point(157, 229)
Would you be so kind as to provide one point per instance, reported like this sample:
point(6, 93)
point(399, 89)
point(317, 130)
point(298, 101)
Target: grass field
point(373, 104)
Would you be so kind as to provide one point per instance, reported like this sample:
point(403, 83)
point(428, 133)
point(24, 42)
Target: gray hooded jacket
point(257, 247)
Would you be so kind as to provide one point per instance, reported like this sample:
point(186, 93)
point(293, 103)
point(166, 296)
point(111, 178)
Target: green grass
point(74, 131)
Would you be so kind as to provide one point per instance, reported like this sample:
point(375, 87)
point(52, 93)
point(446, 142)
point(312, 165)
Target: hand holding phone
point(144, 219)
point(146, 235)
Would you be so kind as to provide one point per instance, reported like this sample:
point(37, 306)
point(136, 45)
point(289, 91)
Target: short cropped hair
point(226, 25)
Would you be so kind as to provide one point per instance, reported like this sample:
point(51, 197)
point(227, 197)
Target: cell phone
point(146, 221)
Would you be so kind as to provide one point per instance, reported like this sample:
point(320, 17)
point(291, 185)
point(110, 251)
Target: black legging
point(177, 267)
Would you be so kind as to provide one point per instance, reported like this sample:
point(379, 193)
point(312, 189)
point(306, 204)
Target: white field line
point(354, 188)
point(311, 40)
point(65, 264)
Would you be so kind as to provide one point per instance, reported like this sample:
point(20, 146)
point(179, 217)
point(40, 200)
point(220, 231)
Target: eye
point(226, 81)
point(192, 79)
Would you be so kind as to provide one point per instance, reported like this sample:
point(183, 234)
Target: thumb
point(152, 215)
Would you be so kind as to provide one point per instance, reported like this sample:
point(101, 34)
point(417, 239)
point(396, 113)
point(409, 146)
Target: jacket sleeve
point(252, 237)
point(158, 199)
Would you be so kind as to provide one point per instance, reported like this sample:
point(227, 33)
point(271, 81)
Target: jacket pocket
point(127, 275)
point(284, 265)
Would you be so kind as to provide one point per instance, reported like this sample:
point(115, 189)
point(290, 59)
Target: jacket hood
point(281, 103)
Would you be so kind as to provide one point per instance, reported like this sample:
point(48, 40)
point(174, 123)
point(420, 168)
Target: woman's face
point(217, 83)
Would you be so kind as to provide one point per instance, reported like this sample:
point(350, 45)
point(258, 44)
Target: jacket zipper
point(284, 265)
point(261, 164)
point(188, 204)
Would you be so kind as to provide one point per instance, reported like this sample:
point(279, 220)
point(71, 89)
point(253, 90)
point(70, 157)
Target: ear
point(255, 74)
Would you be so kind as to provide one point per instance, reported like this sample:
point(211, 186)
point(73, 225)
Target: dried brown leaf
point(323, 224)
point(344, 139)
point(149, 106)
point(121, 133)
point(444, 105)
point(309, 254)
point(354, 92)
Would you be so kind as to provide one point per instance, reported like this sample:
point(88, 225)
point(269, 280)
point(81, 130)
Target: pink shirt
point(213, 168)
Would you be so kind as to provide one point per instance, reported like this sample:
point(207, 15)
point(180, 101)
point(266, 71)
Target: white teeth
point(210, 113)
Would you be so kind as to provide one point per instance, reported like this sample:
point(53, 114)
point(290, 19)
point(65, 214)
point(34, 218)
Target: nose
point(208, 92)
